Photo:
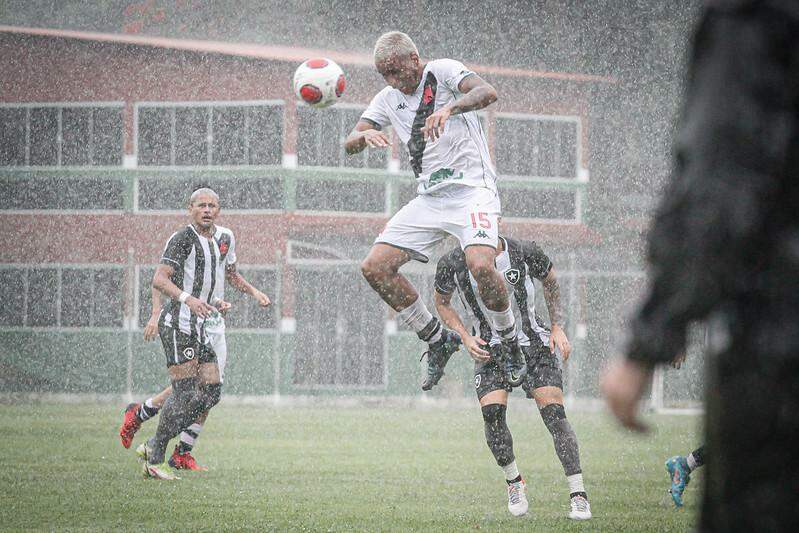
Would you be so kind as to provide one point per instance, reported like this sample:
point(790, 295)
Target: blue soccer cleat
point(680, 476)
point(438, 355)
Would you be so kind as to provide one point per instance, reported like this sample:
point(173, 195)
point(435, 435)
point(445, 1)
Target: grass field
point(332, 469)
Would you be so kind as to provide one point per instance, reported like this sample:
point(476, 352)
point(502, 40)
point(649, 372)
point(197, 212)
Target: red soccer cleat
point(130, 424)
point(184, 461)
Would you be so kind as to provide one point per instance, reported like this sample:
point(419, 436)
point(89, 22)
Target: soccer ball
point(319, 82)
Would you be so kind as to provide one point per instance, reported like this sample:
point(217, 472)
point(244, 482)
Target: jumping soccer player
point(431, 107)
point(519, 262)
point(214, 327)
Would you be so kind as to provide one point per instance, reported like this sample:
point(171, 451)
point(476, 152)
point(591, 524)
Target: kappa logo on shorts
point(188, 353)
point(480, 235)
point(512, 276)
point(477, 379)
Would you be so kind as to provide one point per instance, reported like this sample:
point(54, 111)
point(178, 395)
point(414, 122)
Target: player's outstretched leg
point(679, 469)
point(491, 286)
point(500, 442)
point(565, 440)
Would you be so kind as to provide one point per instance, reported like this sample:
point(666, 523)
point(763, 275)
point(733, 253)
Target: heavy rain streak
point(180, 210)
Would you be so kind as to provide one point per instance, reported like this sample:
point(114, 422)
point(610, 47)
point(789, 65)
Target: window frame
point(208, 105)
point(60, 106)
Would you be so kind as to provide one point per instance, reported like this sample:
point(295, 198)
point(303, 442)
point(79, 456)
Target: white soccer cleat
point(162, 471)
point(580, 509)
point(517, 498)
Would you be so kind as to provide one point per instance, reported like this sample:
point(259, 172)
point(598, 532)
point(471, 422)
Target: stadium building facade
point(104, 136)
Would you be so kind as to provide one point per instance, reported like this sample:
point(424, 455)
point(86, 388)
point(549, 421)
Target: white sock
point(191, 434)
point(511, 471)
point(575, 482)
point(691, 460)
point(503, 321)
point(417, 317)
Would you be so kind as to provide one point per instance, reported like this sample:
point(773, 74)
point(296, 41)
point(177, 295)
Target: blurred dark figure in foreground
point(724, 245)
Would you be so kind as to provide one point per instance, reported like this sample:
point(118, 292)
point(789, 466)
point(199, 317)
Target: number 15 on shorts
point(480, 220)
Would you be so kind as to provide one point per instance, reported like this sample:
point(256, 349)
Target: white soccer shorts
point(216, 336)
point(470, 214)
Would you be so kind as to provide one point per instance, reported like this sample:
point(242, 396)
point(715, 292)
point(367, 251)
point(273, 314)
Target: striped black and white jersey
point(519, 263)
point(226, 243)
point(196, 261)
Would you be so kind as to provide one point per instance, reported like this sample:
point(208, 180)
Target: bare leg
point(381, 270)
point(480, 260)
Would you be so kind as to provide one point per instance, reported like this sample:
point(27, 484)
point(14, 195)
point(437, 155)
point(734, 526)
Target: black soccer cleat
point(438, 355)
point(514, 364)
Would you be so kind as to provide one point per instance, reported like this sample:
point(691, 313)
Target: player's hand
point(434, 125)
point(475, 347)
point(151, 329)
point(222, 306)
point(199, 308)
point(678, 360)
point(375, 139)
point(559, 340)
point(623, 385)
point(262, 299)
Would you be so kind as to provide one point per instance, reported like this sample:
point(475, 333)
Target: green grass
point(332, 469)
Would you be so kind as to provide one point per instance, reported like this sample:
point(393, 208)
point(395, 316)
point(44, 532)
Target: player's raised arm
point(365, 134)
point(237, 280)
point(477, 94)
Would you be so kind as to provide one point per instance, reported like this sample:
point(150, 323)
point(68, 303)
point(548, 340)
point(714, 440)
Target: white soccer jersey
point(460, 155)
point(226, 244)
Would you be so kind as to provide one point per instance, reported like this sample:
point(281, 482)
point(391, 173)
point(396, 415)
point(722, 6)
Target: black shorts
point(181, 348)
point(543, 370)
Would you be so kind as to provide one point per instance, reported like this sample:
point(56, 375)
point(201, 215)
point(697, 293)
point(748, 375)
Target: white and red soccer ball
point(319, 82)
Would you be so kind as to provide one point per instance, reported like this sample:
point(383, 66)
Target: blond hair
point(392, 44)
point(200, 192)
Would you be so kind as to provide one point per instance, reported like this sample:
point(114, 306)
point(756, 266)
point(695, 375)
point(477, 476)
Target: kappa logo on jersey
point(512, 276)
point(188, 353)
point(481, 235)
point(477, 380)
point(427, 95)
point(402, 106)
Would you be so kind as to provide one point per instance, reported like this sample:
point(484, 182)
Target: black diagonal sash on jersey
point(465, 284)
point(427, 105)
point(520, 292)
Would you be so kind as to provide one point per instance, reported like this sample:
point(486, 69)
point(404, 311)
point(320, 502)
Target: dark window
point(12, 292)
point(266, 135)
point(234, 192)
point(321, 137)
point(92, 297)
point(42, 297)
point(61, 193)
point(155, 136)
point(44, 136)
point(107, 136)
point(538, 203)
point(12, 136)
point(539, 147)
point(240, 135)
point(335, 348)
point(230, 136)
point(191, 136)
point(76, 125)
point(331, 195)
point(246, 313)
point(145, 294)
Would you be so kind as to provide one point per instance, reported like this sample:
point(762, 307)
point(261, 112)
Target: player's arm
point(162, 281)
point(151, 329)
point(451, 318)
point(477, 94)
point(234, 277)
point(366, 133)
point(557, 338)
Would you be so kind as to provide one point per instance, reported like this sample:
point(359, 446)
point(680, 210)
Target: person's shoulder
point(444, 65)
point(184, 234)
point(222, 230)
point(385, 93)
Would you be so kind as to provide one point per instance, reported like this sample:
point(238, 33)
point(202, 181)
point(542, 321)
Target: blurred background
point(112, 112)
